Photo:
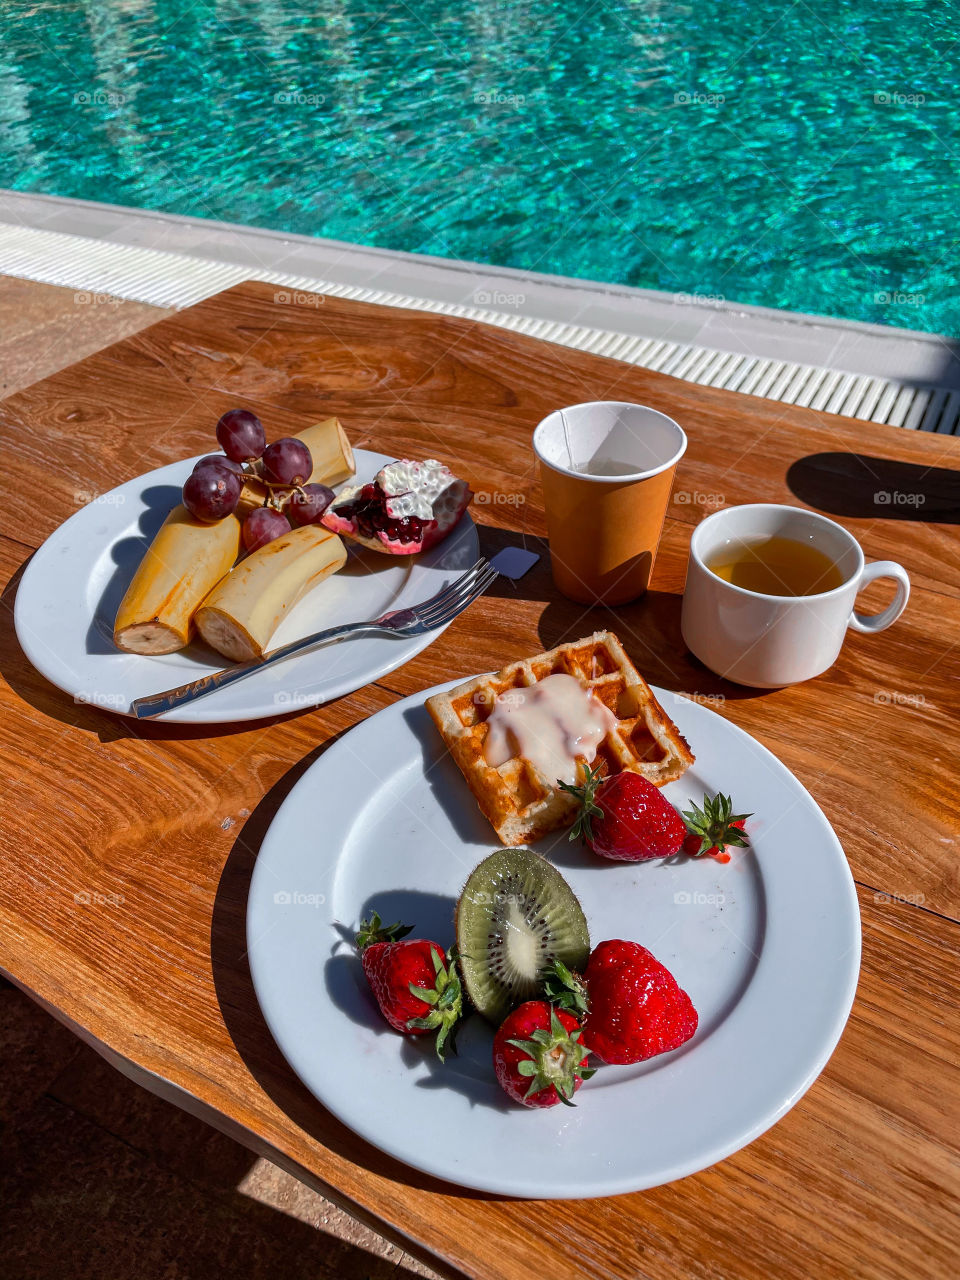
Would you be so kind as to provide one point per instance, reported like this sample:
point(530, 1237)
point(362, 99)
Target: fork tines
point(453, 599)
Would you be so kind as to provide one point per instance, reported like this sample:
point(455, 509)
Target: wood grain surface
point(160, 825)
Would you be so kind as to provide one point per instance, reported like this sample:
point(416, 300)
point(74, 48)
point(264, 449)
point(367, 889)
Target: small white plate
point(71, 590)
point(768, 946)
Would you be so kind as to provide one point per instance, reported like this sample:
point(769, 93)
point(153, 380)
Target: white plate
point(768, 946)
point(71, 590)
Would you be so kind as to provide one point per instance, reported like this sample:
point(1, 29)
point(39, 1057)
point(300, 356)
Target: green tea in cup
point(776, 566)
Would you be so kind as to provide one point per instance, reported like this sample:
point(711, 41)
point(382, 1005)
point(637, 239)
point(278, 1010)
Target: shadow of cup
point(859, 486)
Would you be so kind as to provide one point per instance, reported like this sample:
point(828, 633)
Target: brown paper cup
point(607, 469)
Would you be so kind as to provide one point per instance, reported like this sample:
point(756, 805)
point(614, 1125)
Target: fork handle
point(157, 703)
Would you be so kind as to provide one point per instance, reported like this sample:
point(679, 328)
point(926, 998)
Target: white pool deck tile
point(866, 371)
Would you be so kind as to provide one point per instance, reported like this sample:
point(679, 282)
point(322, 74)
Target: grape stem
point(270, 499)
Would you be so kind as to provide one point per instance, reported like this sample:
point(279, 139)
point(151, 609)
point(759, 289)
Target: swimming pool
point(800, 155)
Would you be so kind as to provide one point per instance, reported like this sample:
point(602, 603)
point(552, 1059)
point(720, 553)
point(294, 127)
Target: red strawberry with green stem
point(625, 817)
point(538, 1057)
point(714, 827)
point(630, 1005)
point(415, 983)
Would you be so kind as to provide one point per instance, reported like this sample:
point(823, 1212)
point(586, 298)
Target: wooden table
point(861, 1178)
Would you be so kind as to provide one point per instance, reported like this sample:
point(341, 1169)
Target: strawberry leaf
point(374, 930)
point(716, 824)
point(589, 809)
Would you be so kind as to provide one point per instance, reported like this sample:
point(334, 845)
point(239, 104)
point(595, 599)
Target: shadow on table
point(860, 486)
point(650, 632)
point(649, 627)
point(246, 1025)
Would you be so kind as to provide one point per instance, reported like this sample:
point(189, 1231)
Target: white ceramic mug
point(768, 641)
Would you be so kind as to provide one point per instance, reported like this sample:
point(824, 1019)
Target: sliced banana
point(242, 612)
point(186, 558)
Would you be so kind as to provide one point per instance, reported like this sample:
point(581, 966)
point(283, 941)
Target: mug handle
point(880, 621)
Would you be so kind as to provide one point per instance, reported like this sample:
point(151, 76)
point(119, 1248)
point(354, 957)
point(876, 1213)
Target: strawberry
point(416, 984)
point(714, 827)
point(631, 1006)
point(538, 1057)
point(625, 817)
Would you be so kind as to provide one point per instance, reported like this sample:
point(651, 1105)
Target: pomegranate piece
point(409, 507)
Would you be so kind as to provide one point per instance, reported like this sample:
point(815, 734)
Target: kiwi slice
point(516, 915)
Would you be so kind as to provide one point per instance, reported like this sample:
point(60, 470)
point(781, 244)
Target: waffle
point(522, 804)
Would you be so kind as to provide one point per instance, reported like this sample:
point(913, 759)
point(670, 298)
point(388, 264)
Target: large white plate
point(69, 595)
point(768, 946)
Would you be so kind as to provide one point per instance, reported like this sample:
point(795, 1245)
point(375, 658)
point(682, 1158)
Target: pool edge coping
point(174, 260)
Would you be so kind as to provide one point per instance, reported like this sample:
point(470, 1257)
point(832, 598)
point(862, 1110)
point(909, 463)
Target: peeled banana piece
point(332, 461)
point(243, 610)
point(330, 450)
point(185, 559)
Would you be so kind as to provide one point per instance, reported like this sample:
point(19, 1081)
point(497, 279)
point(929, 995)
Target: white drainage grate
point(179, 280)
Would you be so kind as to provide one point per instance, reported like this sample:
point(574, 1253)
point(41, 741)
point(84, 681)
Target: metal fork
point(416, 621)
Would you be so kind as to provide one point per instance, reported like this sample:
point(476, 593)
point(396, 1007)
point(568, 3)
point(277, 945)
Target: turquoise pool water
point(800, 155)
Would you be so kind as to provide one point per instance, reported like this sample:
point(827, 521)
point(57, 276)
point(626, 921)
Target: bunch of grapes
point(277, 472)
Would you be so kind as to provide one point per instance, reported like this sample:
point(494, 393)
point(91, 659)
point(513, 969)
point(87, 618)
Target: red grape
point(212, 492)
point(240, 435)
point(262, 526)
point(221, 460)
point(287, 461)
point(306, 506)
